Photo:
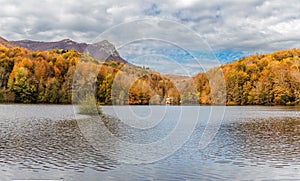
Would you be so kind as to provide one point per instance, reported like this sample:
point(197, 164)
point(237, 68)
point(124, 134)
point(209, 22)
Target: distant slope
point(269, 79)
point(6, 43)
point(47, 46)
point(104, 50)
point(187, 87)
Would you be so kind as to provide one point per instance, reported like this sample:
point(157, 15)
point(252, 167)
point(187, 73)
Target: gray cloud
point(250, 25)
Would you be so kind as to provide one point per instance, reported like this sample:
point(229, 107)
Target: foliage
point(271, 79)
point(48, 77)
point(36, 77)
point(89, 106)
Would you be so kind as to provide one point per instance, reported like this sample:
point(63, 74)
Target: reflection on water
point(252, 143)
point(43, 144)
point(273, 142)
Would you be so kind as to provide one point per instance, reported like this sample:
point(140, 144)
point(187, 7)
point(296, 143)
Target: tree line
point(268, 79)
point(48, 77)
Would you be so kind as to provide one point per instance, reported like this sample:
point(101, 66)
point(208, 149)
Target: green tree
point(23, 86)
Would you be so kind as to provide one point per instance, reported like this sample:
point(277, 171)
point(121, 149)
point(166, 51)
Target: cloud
point(239, 26)
point(228, 23)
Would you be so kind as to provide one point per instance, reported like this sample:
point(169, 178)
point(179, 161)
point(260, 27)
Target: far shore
point(228, 105)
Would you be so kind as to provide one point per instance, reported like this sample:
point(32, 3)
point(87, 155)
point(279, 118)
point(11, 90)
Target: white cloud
point(185, 3)
point(222, 23)
point(250, 25)
point(289, 27)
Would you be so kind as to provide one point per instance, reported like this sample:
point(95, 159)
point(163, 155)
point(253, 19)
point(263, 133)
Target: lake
point(150, 143)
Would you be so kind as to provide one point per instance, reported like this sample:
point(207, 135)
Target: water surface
point(47, 142)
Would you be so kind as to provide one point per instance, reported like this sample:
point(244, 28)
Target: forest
point(48, 77)
point(267, 79)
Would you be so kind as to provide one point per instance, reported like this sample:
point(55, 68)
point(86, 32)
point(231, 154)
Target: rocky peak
point(68, 41)
point(6, 43)
point(103, 50)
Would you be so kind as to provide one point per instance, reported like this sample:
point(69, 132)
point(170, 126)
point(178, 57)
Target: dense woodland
point(48, 77)
point(270, 79)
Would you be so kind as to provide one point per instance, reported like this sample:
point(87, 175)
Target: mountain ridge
point(103, 50)
point(6, 43)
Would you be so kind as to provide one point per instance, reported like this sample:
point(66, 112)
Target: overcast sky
point(226, 25)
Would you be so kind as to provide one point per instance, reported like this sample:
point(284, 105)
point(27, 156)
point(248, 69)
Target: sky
point(227, 29)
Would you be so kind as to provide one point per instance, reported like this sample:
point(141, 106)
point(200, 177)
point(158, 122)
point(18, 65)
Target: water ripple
point(42, 144)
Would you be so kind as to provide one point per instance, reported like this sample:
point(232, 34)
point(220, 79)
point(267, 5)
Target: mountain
point(66, 44)
point(6, 43)
point(104, 50)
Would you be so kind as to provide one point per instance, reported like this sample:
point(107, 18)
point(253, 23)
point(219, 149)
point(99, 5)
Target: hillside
point(6, 43)
point(104, 50)
point(269, 79)
point(48, 77)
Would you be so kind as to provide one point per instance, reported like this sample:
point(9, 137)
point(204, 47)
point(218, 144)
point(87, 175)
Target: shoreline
point(227, 105)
